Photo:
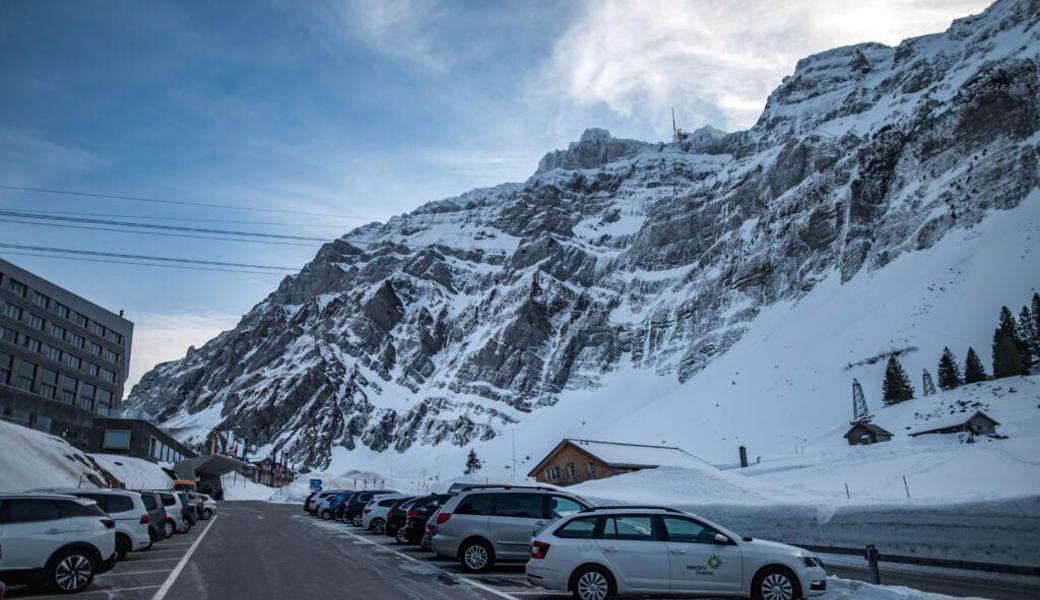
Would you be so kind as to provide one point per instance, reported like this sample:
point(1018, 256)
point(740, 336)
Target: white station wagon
point(604, 551)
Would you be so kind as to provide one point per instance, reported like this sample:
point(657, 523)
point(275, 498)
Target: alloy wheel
point(592, 585)
point(401, 536)
point(73, 572)
point(357, 521)
point(776, 586)
point(476, 557)
point(378, 526)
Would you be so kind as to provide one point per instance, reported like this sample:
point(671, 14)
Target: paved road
point(260, 551)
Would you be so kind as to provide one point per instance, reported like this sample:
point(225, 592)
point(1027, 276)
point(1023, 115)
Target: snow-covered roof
point(632, 455)
point(951, 421)
point(869, 427)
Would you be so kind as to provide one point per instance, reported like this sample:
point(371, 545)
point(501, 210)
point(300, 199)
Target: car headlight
point(812, 561)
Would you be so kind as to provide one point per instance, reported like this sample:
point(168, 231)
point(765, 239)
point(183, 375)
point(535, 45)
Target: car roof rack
point(631, 507)
point(506, 487)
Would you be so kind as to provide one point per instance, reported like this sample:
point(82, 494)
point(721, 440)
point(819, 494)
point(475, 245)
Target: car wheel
point(593, 583)
point(171, 528)
point(477, 556)
point(775, 583)
point(152, 537)
point(357, 521)
point(71, 571)
point(377, 526)
point(324, 515)
point(401, 536)
point(123, 546)
point(208, 513)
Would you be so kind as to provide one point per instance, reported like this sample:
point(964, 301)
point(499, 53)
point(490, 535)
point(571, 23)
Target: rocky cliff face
point(453, 322)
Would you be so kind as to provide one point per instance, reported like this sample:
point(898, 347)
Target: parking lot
point(140, 576)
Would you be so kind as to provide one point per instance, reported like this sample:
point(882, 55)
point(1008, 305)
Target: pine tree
point(1027, 324)
point(473, 463)
point(1009, 326)
point(1007, 359)
point(949, 372)
point(974, 372)
point(896, 387)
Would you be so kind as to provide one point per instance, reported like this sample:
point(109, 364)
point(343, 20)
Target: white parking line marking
point(165, 589)
point(133, 572)
point(131, 561)
point(466, 580)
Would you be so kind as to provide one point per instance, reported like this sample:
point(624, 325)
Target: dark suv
point(354, 506)
point(397, 515)
point(417, 516)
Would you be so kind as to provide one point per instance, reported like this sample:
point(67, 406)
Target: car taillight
point(349, 504)
point(108, 523)
point(368, 510)
point(443, 517)
point(411, 514)
point(539, 549)
point(144, 519)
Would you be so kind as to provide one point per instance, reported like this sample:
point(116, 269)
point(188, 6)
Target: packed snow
point(135, 473)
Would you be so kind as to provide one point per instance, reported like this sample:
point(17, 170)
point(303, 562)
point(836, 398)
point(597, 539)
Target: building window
point(13, 312)
point(75, 339)
point(31, 344)
point(17, 288)
point(68, 386)
point(114, 337)
point(86, 396)
point(8, 335)
point(6, 361)
point(26, 375)
point(51, 352)
point(116, 439)
point(60, 309)
point(592, 468)
point(108, 376)
point(40, 300)
point(91, 369)
point(36, 322)
point(570, 470)
point(48, 391)
point(104, 396)
point(554, 473)
point(57, 331)
point(72, 361)
point(79, 319)
point(111, 357)
point(97, 329)
point(94, 348)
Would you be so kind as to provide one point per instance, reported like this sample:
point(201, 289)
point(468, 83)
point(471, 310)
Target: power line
point(143, 257)
point(188, 219)
point(44, 217)
point(18, 188)
point(158, 233)
point(127, 262)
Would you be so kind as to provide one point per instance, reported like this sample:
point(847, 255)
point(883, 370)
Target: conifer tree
point(949, 371)
point(1009, 326)
point(896, 387)
point(1027, 324)
point(473, 463)
point(1007, 358)
point(974, 372)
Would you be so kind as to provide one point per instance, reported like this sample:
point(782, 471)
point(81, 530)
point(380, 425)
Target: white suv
point(174, 512)
point(127, 509)
point(373, 517)
point(605, 551)
point(62, 539)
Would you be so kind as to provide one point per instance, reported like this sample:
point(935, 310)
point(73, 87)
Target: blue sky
point(336, 113)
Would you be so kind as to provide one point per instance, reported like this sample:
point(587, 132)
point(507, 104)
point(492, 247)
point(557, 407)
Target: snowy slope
point(135, 473)
point(31, 459)
point(703, 295)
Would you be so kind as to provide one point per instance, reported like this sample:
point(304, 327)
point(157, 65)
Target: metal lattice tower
point(859, 403)
point(929, 385)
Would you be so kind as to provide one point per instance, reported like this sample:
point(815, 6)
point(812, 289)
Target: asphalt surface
point(260, 551)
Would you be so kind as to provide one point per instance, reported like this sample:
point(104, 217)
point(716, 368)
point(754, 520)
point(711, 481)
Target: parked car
point(334, 505)
point(599, 553)
point(484, 525)
point(175, 519)
point(321, 501)
point(373, 517)
point(60, 540)
point(196, 503)
point(307, 501)
point(418, 514)
point(188, 509)
point(128, 511)
point(355, 505)
point(397, 515)
point(156, 515)
point(209, 506)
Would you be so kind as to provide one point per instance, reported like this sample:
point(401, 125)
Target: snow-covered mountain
point(698, 293)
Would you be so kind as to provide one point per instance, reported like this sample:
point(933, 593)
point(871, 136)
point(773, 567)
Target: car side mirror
point(721, 539)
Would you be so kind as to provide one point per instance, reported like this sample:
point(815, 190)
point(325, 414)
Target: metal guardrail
point(873, 557)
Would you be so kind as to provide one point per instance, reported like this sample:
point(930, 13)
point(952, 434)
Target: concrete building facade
point(63, 359)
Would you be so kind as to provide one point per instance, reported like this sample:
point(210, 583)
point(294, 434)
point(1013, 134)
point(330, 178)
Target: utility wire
point(143, 257)
point(44, 217)
point(18, 188)
point(73, 213)
point(127, 262)
point(176, 235)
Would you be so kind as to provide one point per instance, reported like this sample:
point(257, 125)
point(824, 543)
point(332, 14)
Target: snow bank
point(846, 589)
point(237, 487)
point(135, 473)
point(32, 459)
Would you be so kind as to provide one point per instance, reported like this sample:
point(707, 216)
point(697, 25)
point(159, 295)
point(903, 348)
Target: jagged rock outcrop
point(451, 323)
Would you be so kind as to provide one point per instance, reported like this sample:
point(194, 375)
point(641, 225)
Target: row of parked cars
point(594, 552)
point(61, 538)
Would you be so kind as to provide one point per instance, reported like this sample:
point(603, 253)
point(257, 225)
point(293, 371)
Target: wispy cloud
point(715, 62)
point(160, 337)
point(27, 157)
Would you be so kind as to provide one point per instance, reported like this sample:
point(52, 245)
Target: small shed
point(978, 423)
point(863, 433)
point(573, 461)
